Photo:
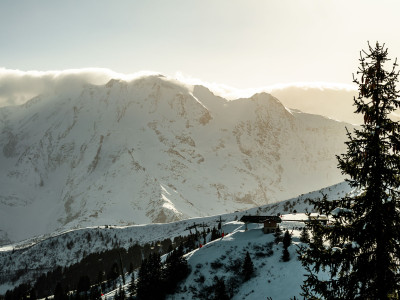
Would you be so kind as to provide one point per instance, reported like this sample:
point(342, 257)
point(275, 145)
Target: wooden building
point(270, 222)
point(320, 218)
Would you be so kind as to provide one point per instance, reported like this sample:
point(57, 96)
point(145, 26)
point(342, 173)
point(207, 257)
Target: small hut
point(270, 222)
point(323, 219)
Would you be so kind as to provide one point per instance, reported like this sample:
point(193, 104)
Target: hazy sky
point(245, 44)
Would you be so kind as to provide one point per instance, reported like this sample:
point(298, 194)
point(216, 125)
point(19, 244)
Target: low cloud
point(328, 99)
point(232, 93)
point(335, 101)
point(223, 90)
point(332, 100)
point(17, 87)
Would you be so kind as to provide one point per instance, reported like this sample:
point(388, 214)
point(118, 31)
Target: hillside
point(26, 260)
point(153, 150)
point(223, 259)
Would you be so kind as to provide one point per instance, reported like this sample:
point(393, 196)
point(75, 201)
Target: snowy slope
point(223, 258)
point(45, 253)
point(153, 150)
point(272, 278)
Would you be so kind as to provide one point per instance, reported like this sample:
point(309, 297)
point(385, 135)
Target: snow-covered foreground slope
point(223, 258)
point(153, 150)
point(45, 253)
point(272, 278)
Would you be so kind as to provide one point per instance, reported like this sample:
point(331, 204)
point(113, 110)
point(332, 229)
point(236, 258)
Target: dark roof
point(260, 219)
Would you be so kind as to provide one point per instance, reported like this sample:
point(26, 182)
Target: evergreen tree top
point(361, 248)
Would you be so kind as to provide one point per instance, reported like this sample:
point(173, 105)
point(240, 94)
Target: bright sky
point(245, 44)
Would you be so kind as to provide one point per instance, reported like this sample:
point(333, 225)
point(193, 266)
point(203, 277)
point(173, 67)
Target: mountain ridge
point(154, 150)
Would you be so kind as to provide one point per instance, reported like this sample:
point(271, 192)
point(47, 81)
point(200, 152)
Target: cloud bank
point(331, 100)
point(17, 87)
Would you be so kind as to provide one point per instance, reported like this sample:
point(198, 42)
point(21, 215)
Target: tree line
point(97, 271)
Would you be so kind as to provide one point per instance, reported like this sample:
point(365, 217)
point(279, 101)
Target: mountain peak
point(113, 81)
point(153, 149)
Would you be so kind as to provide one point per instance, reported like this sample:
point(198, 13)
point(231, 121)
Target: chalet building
point(320, 218)
point(270, 222)
point(270, 225)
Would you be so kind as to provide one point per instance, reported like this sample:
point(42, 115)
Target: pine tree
point(149, 285)
point(32, 294)
point(175, 270)
point(278, 235)
point(132, 286)
point(215, 234)
point(285, 255)
point(304, 235)
point(100, 277)
point(287, 239)
point(361, 248)
point(142, 285)
point(120, 295)
point(59, 293)
point(248, 267)
point(83, 284)
point(131, 268)
point(114, 272)
point(220, 289)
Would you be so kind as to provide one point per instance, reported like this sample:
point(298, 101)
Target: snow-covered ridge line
point(298, 203)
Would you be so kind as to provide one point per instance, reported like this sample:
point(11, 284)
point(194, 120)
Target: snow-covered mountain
point(154, 150)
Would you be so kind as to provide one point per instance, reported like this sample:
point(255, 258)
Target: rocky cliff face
point(154, 150)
